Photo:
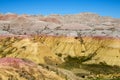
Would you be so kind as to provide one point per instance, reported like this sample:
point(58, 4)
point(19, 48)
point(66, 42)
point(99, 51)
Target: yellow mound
point(104, 49)
point(27, 48)
point(43, 49)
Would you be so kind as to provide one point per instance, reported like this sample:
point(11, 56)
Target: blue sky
point(46, 7)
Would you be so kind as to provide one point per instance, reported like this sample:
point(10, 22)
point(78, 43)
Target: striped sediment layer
point(54, 49)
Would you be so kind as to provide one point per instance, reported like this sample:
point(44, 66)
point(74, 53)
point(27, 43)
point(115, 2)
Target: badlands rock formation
point(44, 49)
point(54, 39)
point(18, 69)
point(87, 24)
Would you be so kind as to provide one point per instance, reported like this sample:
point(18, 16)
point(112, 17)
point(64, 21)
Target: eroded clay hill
point(85, 23)
point(46, 49)
point(86, 41)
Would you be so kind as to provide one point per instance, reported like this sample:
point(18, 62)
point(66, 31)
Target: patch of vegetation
point(115, 79)
point(94, 69)
point(71, 62)
point(106, 79)
point(100, 79)
point(75, 62)
point(101, 68)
